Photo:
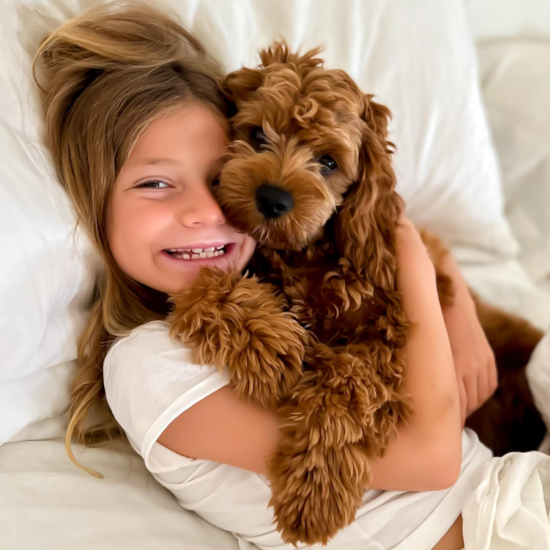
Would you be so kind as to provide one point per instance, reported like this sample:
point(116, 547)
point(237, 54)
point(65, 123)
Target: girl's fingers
point(483, 392)
point(470, 384)
point(493, 374)
point(463, 400)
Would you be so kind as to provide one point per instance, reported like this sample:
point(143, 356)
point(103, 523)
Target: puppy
point(309, 175)
point(293, 99)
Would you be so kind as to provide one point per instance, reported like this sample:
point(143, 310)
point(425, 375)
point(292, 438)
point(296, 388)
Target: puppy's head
point(308, 145)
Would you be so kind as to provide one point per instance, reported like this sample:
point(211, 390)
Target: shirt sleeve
point(149, 381)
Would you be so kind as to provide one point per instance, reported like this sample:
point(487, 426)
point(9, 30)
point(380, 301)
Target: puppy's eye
point(258, 137)
point(328, 164)
point(215, 182)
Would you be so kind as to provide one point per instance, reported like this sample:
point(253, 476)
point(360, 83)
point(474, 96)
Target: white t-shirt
point(150, 381)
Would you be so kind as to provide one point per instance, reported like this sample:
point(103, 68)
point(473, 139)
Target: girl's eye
point(328, 164)
point(258, 137)
point(153, 185)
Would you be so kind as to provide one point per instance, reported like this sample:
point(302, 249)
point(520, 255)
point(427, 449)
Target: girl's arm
point(426, 455)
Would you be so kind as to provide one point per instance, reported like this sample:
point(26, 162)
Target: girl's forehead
point(193, 130)
point(191, 121)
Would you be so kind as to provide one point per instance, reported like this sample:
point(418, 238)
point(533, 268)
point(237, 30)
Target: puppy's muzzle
point(273, 201)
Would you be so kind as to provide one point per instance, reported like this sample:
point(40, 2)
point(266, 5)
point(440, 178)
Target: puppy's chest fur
point(326, 294)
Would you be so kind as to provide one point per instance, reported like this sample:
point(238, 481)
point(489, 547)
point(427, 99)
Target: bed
point(470, 94)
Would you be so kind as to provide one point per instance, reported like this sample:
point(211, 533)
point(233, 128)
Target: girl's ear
point(366, 222)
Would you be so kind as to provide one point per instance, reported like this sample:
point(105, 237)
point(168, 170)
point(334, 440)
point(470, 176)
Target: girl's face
point(164, 224)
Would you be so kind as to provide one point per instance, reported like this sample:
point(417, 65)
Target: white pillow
point(513, 51)
point(417, 57)
point(46, 272)
point(490, 19)
point(516, 77)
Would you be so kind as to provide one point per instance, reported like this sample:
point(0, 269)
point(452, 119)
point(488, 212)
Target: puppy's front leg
point(321, 468)
point(238, 323)
point(340, 416)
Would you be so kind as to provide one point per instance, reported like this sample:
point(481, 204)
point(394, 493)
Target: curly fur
point(317, 332)
point(229, 320)
point(333, 257)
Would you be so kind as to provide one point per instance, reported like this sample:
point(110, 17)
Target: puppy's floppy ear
point(367, 220)
point(238, 85)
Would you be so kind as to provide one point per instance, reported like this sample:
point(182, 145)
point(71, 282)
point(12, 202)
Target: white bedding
point(508, 509)
point(513, 46)
point(48, 504)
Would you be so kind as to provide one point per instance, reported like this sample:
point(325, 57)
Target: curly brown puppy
point(324, 151)
point(309, 175)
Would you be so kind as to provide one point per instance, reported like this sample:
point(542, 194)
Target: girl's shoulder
point(156, 331)
point(145, 342)
point(150, 378)
point(153, 329)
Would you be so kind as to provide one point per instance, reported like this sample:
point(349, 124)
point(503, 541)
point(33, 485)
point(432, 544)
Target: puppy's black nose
point(272, 201)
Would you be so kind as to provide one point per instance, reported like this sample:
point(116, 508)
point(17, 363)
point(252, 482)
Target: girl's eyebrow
point(158, 160)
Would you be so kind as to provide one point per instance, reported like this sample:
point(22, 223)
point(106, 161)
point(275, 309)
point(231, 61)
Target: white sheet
point(47, 503)
point(509, 508)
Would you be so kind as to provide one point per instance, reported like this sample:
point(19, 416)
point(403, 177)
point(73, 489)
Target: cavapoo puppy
point(315, 329)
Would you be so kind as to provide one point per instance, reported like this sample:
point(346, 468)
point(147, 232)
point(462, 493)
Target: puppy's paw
point(316, 493)
point(237, 322)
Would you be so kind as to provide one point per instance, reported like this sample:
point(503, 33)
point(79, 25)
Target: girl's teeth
point(198, 253)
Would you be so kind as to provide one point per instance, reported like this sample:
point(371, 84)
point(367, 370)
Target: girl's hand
point(473, 357)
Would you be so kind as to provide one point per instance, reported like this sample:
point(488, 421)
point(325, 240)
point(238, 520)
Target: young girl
point(136, 128)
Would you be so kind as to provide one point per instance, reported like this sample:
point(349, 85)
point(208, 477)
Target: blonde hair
point(103, 77)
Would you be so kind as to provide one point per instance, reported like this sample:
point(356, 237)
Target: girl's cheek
point(152, 219)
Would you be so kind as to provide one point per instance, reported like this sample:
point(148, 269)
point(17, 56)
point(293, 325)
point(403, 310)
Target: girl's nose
point(200, 208)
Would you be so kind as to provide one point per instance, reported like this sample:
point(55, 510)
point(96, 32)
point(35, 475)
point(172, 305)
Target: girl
point(136, 129)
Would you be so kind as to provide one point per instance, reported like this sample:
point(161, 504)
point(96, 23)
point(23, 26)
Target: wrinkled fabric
point(509, 508)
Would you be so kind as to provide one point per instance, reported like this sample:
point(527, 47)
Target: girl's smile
point(215, 254)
